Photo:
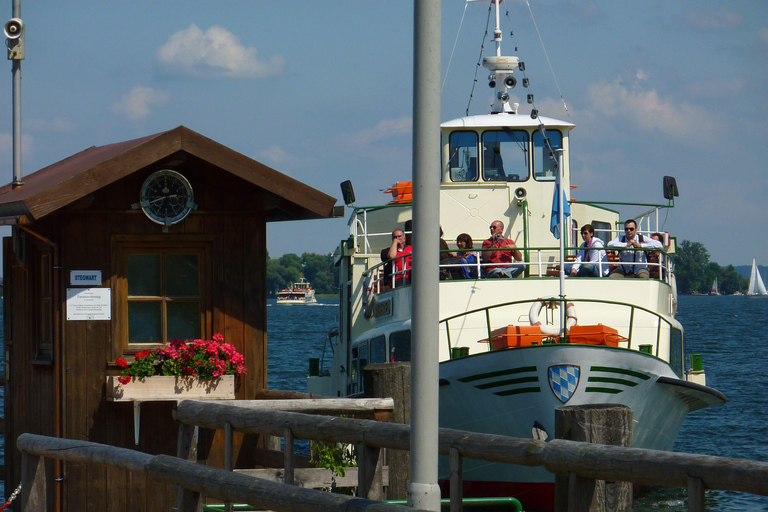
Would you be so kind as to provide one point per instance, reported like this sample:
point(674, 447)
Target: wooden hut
point(170, 207)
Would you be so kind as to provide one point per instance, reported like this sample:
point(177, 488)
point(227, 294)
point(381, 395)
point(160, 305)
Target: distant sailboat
point(756, 284)
point(714, 290)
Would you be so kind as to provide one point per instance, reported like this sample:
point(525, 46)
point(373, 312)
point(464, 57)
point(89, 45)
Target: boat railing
point(539, 262)
point(631, 321)
point(590, 462)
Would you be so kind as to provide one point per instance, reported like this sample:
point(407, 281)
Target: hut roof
point(83, 173)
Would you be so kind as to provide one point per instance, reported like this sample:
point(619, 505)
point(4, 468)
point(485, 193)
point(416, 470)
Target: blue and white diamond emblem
point(564, 379)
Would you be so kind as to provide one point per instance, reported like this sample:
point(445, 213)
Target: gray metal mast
point(14, 31)
point(423, 491)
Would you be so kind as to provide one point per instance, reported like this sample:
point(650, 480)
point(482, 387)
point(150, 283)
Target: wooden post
point(33, 483)
point(289, 462)
point(385, 380)
point(229, 458)
point(696, 496)
point(457, 486)
point(600, 424)
point(370, 473)
point(186, 448)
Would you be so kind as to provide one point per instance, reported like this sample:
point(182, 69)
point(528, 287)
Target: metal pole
point(16, 71)
point(560, 220)
point(423, 491)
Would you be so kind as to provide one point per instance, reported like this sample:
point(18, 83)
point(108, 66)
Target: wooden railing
point(561, 457)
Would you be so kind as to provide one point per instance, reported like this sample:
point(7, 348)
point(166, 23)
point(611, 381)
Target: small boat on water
point(715, 290)
point(513, 349)
point(300, 292)
point(756, 284)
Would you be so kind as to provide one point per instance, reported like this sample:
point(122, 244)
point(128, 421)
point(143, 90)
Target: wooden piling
point(609, 424)
point(393, 380)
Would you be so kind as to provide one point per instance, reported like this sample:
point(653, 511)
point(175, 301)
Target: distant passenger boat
point(756, 284)
point(299, 293)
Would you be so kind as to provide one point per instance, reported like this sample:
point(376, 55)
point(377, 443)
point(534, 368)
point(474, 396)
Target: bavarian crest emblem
point(564, 379)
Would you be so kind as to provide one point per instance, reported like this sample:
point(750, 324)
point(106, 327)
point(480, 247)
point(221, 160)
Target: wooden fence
point(561, 457)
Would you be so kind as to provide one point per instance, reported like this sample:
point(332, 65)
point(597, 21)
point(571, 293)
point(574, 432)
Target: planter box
point(162, 388)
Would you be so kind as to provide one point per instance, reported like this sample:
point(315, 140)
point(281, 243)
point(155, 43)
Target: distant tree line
point(318, 269)
point(695, 273)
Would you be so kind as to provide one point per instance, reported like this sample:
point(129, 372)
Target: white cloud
point(57, 124)
point(136, 105)
point(277, 157)
point(708, 20)
point(649, 110)
point(216, 51)
point(385, 129)
point(6, 144)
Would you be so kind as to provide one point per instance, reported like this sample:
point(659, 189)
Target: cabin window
point(41, 286)
point(400, 346)
point(505, 155)
point(463, 156)
point(676, 352)
point(161, 293)
point(544, 160)
point(378, 350)
point(602, 231)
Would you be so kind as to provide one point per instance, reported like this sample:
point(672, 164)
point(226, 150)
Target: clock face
point(166, 197)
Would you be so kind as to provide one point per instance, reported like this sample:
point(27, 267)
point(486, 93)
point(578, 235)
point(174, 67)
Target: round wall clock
point(166, 197)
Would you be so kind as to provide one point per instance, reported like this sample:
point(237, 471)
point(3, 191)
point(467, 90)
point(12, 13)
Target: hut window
point(43, 297)
point(162, 292)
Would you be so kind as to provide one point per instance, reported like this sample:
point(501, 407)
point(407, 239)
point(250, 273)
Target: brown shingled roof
point(68, 180)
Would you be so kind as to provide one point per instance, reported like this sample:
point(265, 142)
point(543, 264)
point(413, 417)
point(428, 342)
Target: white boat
point(300, 292)
point(715, 290)
point(499, 372)
point(756, 284)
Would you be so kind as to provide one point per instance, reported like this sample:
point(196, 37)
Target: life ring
point(533, 317)
point(369, 298)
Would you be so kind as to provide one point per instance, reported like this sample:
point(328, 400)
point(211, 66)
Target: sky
point(322, 91)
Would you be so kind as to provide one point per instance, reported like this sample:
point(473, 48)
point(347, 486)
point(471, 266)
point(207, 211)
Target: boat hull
point(515, 393)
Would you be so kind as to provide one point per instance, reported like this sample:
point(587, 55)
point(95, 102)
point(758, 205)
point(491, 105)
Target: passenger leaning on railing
point(400, 253)
point(632, 263)
point(502, 259)
point(657, 260)
point(590, 259)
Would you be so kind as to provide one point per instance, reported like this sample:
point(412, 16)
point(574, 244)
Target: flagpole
point(560, 222)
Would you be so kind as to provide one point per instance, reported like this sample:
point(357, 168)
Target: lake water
point(728, 331)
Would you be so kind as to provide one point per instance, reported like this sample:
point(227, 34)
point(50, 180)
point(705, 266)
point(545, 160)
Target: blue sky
point(322, 91)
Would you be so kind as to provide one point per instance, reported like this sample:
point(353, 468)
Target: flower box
point(167, 388)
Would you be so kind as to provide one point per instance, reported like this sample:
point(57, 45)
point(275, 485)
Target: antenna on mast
point(501, 78)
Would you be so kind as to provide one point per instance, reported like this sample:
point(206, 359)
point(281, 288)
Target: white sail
point(714, 290)
point(756, 284)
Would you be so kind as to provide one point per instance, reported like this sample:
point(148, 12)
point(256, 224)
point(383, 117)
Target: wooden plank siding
point(88, 224)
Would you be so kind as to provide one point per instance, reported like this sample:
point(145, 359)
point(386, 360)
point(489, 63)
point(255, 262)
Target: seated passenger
point(632, 263)
point(470, 259)
point(658, 258)
point(590, 261)
point(400, 252)
point(502, 258)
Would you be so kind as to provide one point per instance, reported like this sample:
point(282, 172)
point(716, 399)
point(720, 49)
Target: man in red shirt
point(503, 258)
point(400, 252)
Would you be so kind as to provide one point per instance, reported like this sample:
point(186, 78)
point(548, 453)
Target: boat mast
point(501, 69)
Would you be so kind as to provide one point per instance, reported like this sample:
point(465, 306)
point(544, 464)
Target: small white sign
point(89, 303)
point(85, 278)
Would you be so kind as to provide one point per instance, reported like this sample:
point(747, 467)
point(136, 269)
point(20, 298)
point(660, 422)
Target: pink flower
point(218, 337)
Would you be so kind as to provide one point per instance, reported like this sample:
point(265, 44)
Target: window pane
point(505, 155)
point(144, 275)
point(462, 151)
point(400, 346)
point(183, 320)
point(544, 161)
point(144, 322)
point(181, 276)
point(379, 350)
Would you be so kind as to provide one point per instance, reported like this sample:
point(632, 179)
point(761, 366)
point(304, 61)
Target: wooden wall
point(231, 215)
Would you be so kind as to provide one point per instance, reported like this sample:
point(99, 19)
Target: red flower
point(122, 363)
point(141, 355)
point(124, 379)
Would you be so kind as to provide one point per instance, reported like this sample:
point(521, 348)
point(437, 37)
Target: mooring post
point(600, 424)
point(393, 380)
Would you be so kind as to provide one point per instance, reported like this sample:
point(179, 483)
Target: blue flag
point(554, 226)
